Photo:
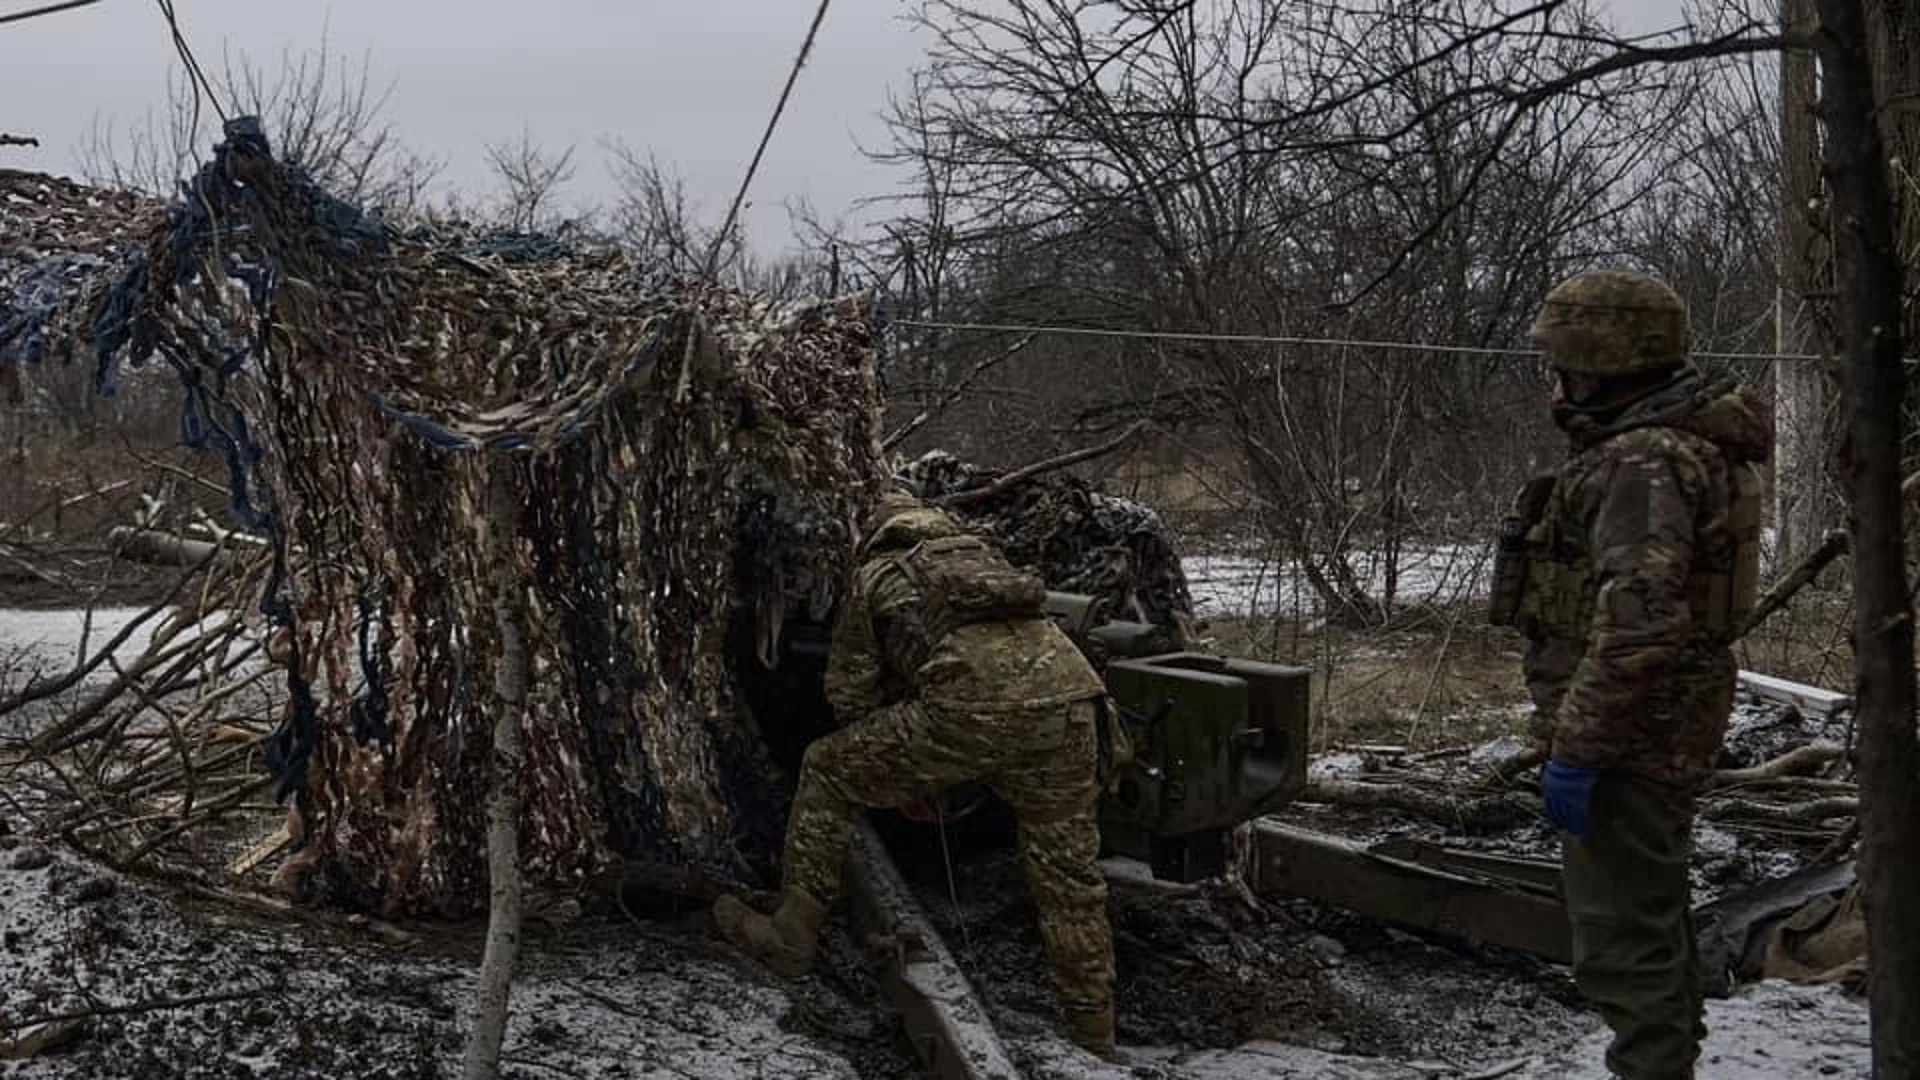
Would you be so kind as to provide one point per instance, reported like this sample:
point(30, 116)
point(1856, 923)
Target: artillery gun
point(1217, 742)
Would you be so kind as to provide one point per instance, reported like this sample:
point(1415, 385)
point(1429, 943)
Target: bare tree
point(1256, 168)
point(531, 179)
point(321, 111)
point(654, 217)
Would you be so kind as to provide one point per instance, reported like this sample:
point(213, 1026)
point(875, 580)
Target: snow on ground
point(1774, 1031)
point(170, 988)
point(52, 639)
point(181, 989)
point(189, 990)
point(1227, 586)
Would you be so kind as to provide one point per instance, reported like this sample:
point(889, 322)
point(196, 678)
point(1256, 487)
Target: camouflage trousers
point(1041, 762)
point(1633, 947)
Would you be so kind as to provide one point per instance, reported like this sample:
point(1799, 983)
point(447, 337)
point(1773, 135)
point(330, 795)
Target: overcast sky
point(693, 80)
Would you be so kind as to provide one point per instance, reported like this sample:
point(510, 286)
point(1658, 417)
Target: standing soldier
point(1628, 571)
point(945, 670)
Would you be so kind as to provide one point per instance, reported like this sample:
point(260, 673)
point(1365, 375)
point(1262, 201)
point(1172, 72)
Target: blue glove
point(1569, 796)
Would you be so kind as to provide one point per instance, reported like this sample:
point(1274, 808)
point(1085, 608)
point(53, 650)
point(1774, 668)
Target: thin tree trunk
point(1868, 275)
point(503, 803)
point(1801, 483)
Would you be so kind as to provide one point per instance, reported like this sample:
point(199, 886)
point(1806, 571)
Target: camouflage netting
point(1080, 539)
point(681, 458)
point(687, 464)
point(60, 243)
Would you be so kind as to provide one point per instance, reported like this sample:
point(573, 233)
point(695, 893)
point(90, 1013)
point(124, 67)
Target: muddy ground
point(163, 984)
point(153, 983)
point(146, 981)
point(1205, 966)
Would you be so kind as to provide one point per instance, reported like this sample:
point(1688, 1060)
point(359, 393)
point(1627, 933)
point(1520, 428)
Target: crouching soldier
point(946, 670)
point(1629, 571)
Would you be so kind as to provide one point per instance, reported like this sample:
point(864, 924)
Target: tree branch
point(1028, 472)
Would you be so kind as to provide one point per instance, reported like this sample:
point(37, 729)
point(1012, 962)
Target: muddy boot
point(783, 941)
point(1092, 1031)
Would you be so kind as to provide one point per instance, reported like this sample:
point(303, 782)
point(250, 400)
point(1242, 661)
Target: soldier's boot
point(1092, 1031)
point(783, 941)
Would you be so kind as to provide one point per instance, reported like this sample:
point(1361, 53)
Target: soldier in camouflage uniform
point(1636, 562)
point(927, 702)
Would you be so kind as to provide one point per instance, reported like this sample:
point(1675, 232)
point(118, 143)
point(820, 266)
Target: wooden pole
point(503, 802)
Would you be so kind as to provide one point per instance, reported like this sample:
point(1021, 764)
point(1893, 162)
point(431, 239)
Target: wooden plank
point(946, 1022)
point(1808, 699)
point(269, 846)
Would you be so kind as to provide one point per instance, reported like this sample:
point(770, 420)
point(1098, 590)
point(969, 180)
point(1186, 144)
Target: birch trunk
point(503, 802)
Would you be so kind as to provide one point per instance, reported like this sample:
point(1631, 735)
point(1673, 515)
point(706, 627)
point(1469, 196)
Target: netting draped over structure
point(683, 458)
point(1078, 538)
point(60, 244)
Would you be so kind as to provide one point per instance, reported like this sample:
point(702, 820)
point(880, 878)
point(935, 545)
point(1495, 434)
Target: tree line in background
point(1385, 171)
point(1224, 220)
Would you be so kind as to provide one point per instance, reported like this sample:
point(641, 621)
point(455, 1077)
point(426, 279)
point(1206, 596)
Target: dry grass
point(1458, 682)
point(1808, 641)
point(1450, 686)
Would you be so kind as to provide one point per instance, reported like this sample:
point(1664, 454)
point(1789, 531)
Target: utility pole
point(1801, 503)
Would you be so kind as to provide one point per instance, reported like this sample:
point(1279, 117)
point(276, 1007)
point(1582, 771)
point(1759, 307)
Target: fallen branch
point(1484, 812)
point(1509, 769)
point(37, 1039)
point(953, 393)
point(1799, 788)
point(1836, 542)
point(1799, 761)
point(1839, 845)
point(278, 910)
point(160, 548)
point(1801, 813)
point(155, 1005)
point(1498, 1071)
point(1028, 472)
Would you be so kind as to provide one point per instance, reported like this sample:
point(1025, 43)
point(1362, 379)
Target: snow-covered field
point(53, 639)
point(1243, 585)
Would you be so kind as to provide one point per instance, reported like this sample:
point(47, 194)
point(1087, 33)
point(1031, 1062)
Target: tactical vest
point(1543, 580)
point(961, 580)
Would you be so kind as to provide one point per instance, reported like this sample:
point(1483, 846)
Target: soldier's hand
point(1568, 791)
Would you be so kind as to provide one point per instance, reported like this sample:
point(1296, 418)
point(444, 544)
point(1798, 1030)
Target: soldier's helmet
point(1612, 323)
point(900, 519)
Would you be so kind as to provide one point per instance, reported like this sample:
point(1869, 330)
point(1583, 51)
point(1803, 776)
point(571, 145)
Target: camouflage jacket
point(979, 668)
point(1626, 667)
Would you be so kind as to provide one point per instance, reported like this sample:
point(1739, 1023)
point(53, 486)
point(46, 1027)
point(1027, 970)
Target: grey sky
point(692, 80)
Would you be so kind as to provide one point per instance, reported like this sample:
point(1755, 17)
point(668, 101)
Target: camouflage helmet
point(1612, 322)
point(899, 518)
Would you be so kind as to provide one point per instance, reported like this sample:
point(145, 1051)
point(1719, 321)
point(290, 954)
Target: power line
point(47, 10)
point(201, 84)
point(780, 106)
point(1280, 339)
